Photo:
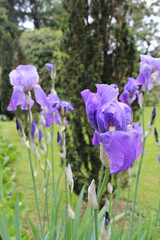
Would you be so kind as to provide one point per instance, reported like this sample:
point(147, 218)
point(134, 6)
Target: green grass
point(23, 172)
point(149, 184)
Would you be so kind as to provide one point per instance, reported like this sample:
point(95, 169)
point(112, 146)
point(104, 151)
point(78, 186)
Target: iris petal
point(121, 150)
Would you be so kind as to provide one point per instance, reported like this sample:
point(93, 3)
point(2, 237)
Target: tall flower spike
point(69, 177)
point(92, 198)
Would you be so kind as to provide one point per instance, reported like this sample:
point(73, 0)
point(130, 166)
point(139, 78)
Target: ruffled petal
point(28, 75)
point(144, 75)
point(96, 138)
point(17, 98)
point(121, 150)
point(40, 96)
point(15, 78)
point(91, 102)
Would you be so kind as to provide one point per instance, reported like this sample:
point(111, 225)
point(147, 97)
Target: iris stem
point(157, 218)
point(119, 188)
point(32, 173)
point(125, 215)
point(96, 223)
point(103, 186)
point(52, 158)
point(46, 175)
point(140, 165)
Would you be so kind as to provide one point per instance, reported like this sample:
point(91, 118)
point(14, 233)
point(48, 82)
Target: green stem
point(66, 207)
point(119, 188)
point(32, 173)
point(52, 158)
point(111, 197)
point(46, 193)
point(96, 223)
point(157, 218)
point(103, 186)
point(124, 220)
point(140, 165)
point(100, 177)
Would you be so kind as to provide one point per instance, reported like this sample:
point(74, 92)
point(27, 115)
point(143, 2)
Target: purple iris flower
point(111, 120)
point(149, 68)
point(64, 107)
point(23, 79)
point(50, 110)
point(130, 92)
point(50, 66)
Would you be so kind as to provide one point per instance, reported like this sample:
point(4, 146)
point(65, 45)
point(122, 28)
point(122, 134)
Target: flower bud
point(71, 214)
point(106, 228)
point(35, 172)
point(48, 165)
point(48, 137)
point(110, 188)
point(69, 177)
point(104, 156)
point(27, 144)
point(44, 185)
point(92, 198)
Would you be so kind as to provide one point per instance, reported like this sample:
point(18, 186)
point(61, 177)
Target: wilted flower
point(69, 177)
point(149, 68)
point(23, 79)
point(92, 198)
point(71, 214)
point(111, 120)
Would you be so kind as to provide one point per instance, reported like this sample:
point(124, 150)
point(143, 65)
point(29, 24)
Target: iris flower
point(23, 79)
point(149, 68)
point(111, 121)
point(130, 92)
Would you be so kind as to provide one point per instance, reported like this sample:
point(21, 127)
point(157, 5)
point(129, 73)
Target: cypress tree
point(7, 59)
point(100, 49)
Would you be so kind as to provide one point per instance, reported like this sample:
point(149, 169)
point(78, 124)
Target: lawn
point(149, 184)
point(22, 167)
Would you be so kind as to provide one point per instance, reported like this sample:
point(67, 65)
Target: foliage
point(8, 155)
point(7, 65)
point(145, 24)
point(99, 48)
point(40, 46)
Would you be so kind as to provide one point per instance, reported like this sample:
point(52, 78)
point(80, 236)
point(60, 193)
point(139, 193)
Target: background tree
point(99, 48)
point(7, 65)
